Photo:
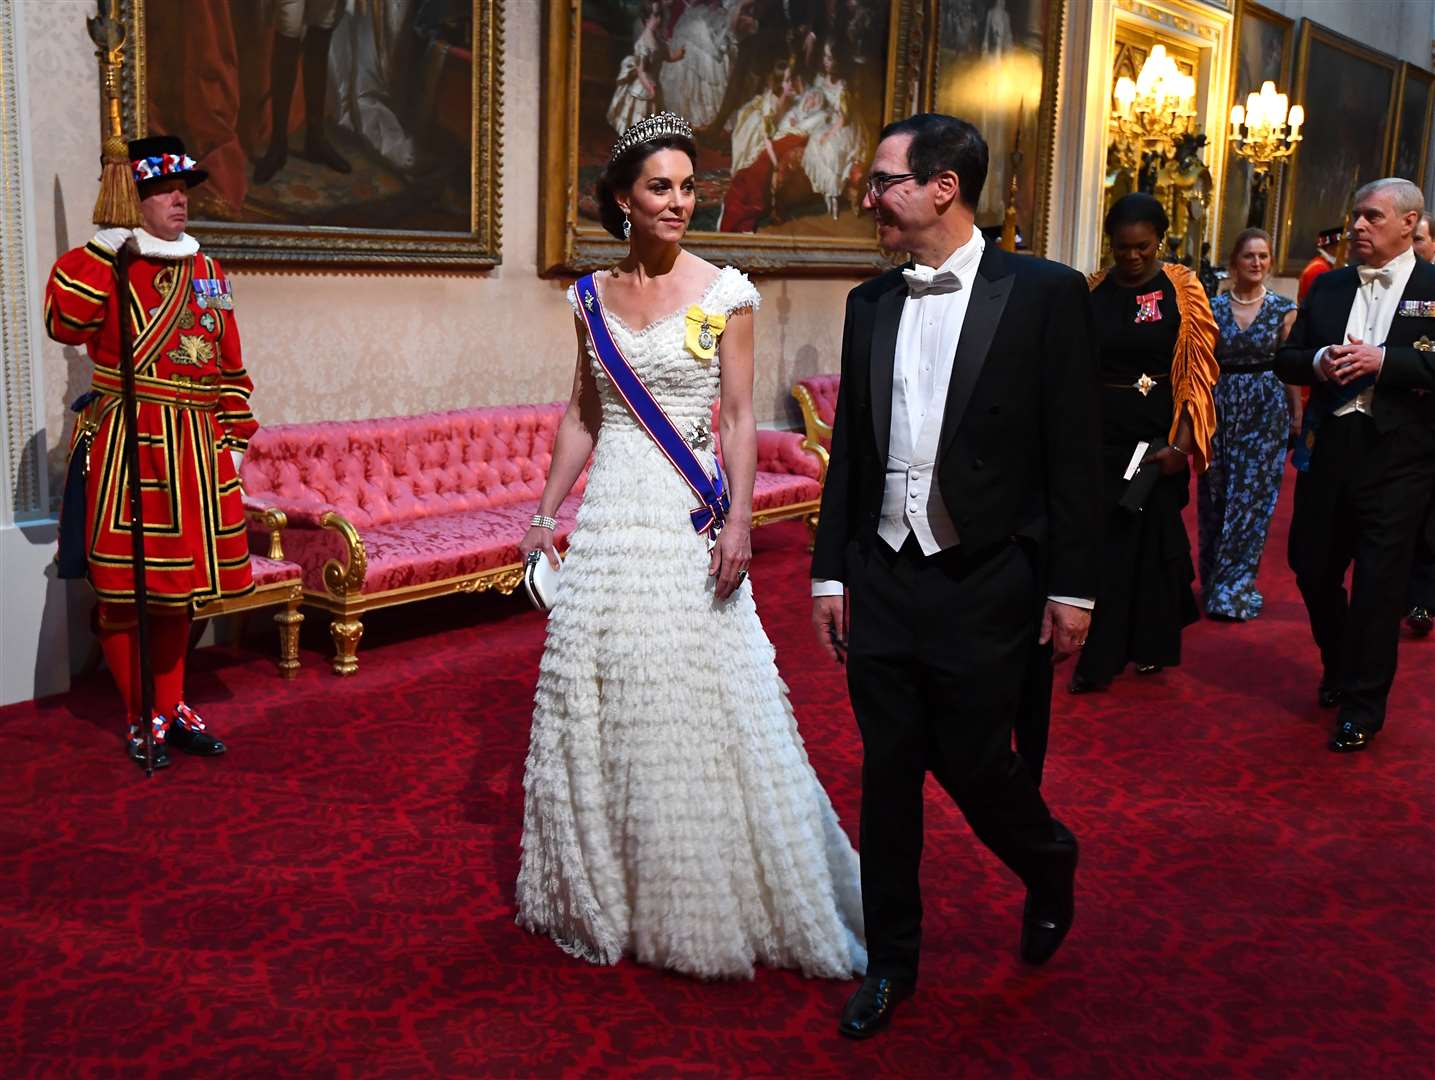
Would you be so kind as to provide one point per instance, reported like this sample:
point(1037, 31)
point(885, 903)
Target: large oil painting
point(1412, 126)
point(996, 65)
point(1264, 42)
point(1349, 95)
point(786, 99)
point(334, 131)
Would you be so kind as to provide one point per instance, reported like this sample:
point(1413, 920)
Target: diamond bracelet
point(544, 522)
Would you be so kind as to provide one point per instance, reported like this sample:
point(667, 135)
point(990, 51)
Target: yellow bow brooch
point(704, 328)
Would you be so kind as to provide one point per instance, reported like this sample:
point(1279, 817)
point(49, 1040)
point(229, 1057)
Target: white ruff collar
point(153, 247)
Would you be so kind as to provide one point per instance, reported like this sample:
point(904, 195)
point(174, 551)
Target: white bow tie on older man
point(923, 279)
point(1383, 274)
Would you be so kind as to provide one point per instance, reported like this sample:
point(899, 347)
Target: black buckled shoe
point(1350, 737)
point(1048, 913)
point(1150, 669)
point(188, 733)
point(1420, 621)
point(161, 755)
point(870, 1009)
point(1327, 697)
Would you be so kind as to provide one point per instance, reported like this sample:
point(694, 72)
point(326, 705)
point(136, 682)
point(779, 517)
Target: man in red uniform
point(1326, 244)
point(192, 410)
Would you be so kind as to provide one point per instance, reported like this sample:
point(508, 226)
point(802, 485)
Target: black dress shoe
point(1350, 737)
point(1049, 912)
point(1420, 620)
point(187, 733)
point(194, 742)
point(1149, 669)
point(1080, 684)
point(870, 1009)
point(1328, 697)
point(161, 755)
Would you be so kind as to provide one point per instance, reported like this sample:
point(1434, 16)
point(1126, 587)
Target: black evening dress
point(1144, 596)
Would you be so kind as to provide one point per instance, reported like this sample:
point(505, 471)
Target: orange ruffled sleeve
point(1194, 369)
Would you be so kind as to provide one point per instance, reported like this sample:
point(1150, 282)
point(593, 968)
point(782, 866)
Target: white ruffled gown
point(670, 812)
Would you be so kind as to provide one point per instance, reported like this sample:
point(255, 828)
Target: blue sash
point(712, 493)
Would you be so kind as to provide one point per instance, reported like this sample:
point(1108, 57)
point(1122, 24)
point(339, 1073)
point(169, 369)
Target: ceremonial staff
point(118, 206)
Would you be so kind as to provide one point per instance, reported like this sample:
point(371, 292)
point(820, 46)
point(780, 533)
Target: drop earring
point(627, 226)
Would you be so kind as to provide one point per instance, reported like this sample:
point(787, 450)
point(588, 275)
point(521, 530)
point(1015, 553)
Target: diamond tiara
point(651, 127)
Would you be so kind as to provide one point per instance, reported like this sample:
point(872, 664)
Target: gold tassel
point(118, 204)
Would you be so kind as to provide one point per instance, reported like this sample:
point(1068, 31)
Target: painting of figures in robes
point(342, 131)
point(786, 99)
point(995, 65)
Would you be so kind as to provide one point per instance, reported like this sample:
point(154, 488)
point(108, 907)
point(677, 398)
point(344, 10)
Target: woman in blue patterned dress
point(1255, 413)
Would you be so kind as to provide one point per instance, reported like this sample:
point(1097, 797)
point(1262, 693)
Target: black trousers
point(1362, 502)
point(938, 650)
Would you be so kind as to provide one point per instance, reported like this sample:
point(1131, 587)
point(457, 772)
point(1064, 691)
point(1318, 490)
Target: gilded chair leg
point(811, 522)
point(289, 621)
point(346, 634)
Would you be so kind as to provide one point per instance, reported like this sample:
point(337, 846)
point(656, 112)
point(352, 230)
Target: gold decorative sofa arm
point(340, 580)
point(275, 520)
point(816, 429)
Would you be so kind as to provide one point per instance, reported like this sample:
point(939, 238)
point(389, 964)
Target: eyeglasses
point(878, 183)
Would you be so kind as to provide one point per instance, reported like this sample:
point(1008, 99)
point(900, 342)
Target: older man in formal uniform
point(192, 402)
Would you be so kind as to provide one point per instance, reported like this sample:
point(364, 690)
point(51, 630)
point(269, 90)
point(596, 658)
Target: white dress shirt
point(1371, 314)
point(927, 336)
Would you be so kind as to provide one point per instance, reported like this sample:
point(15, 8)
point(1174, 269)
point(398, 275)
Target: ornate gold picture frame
point(759, 91)
point(1349, 94)
point(996, 63)
point(398, 167)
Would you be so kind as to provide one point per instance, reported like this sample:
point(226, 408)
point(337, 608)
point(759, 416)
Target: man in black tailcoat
point(960, 516)
point(1364, 342)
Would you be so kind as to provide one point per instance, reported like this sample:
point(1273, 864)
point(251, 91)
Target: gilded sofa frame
point(286, 594)
point(344, 599)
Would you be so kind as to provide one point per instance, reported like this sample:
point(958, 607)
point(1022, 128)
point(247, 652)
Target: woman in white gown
point(670, 811)
point(832, 152)
point(695, 84)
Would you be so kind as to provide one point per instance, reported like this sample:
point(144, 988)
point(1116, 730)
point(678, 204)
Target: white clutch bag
point(540, 580)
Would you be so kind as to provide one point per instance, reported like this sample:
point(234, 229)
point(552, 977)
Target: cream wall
point(1401, 28)
point(329, 346)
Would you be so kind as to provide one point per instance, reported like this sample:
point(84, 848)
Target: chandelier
point(1267, 138)
point(1155, 110)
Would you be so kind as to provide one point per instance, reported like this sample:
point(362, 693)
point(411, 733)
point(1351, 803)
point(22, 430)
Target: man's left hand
point(1355, 360)
point(1065, 627)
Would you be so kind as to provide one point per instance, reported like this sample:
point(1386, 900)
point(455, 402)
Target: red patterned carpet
point(335, 897)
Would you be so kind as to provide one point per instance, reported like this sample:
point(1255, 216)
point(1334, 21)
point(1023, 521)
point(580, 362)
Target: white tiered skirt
point(670, 810)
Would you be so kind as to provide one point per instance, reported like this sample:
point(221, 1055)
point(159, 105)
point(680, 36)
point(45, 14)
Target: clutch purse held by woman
point(540, 580)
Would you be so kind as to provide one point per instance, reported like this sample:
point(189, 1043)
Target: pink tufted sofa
point(388, 511)
point(817, 396)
